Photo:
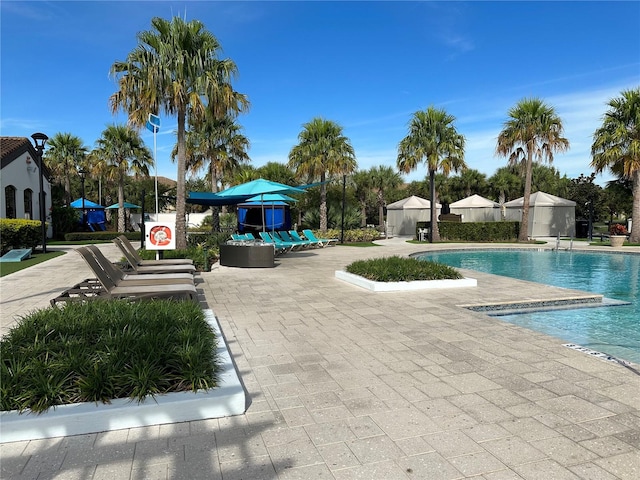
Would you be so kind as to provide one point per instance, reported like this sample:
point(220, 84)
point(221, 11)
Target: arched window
point(28, 203)
point(10, 201)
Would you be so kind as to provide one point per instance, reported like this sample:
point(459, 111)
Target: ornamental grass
point(103, 350)
point(402, 269)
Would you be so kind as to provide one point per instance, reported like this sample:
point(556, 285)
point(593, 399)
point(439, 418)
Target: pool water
point(613, 330)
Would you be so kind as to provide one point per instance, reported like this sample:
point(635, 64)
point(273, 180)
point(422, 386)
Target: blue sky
point(366, 65)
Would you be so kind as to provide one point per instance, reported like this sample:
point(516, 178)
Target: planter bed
point(227, 399)
point(403, 286)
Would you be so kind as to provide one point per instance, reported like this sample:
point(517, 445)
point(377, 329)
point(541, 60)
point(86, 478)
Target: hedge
point(475, 231)
point(19, 233)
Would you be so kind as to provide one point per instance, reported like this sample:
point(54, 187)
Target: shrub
point(103, 350)
point(19, 233)
point(476, 231)
point(618, 229)
point(401, 269)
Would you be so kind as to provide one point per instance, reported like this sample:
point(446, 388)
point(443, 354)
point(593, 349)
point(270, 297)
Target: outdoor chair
point(288, 238)
point(152, 268)
point(135, 292)
point(296, 236)
point(280, 246)
point(323, 242)
point(125, 243)
point(123, 279)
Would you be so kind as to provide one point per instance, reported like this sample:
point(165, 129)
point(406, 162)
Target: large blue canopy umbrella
point(258, 189)
point(87, 204)
point(125, 205)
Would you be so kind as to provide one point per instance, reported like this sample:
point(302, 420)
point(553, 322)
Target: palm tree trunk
point(380, 209)
point(215, 211)
point(523, 236)
point(363, 214)
point(434, 232)
point(635, 210)
point(323, 204)
point(181, 228)
point(67, 187)
point(121, 204)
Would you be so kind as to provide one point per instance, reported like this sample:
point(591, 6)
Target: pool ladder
point(558, 244)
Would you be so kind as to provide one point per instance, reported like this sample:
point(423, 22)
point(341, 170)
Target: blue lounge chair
point(279, 244)
point(322, 241)
point(298, 241)
point(296, 236)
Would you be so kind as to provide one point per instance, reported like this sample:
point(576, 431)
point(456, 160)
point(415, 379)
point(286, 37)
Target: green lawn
point(11, 267)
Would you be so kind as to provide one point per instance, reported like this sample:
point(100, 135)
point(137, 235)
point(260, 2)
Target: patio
point(345, 383)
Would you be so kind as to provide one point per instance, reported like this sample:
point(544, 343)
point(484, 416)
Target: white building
point(20, 181)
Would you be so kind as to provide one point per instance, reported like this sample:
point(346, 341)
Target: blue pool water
point(612, 330)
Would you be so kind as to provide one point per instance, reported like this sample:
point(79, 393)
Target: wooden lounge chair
point(157, 268)
point(126, 244)
point(154, 290)
point(123, 279)
point(323, 242)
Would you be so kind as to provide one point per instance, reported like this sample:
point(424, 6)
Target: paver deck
point(349, 384)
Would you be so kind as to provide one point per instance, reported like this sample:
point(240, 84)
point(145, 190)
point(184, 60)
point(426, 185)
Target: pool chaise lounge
point(323, 242)
point(124, 244)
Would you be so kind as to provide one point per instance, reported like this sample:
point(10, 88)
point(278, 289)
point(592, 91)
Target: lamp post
point(40, 139)
point(344, 200)
point(83, 174)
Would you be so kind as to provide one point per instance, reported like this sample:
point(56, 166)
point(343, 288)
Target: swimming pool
point(612, 330)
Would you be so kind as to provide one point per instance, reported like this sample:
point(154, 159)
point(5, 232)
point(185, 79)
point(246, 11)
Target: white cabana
point(476, 209)
point(549, 215)
point(403, 215)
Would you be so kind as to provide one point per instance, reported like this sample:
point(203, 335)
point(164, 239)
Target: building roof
point(541, 199)
point(475, 201)
point(12, 148)
point(412, 202)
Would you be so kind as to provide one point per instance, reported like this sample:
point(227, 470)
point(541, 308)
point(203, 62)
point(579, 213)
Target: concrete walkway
point(348, 384)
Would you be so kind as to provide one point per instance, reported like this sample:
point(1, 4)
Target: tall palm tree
point(175, 68)
point(64, 155)
point(532, 132)
point(383, 179)
point(433, 139)
point(217, 145)
point(616, 145)
point(361, 181)
point(322, 151)
point(122, 152)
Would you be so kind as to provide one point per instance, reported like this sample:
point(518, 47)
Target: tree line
point(175, 69)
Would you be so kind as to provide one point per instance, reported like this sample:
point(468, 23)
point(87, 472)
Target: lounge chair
point(280, 246)
point(296, 236)
point(323, 242)
point(298, 241)
point(152, 268)
point(122, 279)
point(111, 290)
point(126, 244)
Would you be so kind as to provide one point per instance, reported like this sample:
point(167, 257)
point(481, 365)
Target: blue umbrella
point(259, 188)
point(125, 205)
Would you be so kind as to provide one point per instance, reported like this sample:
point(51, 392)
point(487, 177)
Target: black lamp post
point(344, 199)
point(83, 174)
point(40, 139)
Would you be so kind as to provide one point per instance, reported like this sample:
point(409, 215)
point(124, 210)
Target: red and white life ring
point(160, 236)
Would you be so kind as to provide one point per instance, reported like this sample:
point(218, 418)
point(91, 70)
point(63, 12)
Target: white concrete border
point(227, 399)
point(403, 286)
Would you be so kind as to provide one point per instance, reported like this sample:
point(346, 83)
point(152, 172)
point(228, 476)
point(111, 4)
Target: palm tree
point(322, 151)
point(432, 139)
point(121, 151)
point(65, 154)
point(218, 145)
point(361, 181)
point(383, 179)
point(616, 145)
point(532, 132)
point(175, 68)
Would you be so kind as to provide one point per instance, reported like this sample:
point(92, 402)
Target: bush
point(102, 350)
point(475, 231)
point(19, 233)
point(100, 236)
point(64, 220)
point(401, 269)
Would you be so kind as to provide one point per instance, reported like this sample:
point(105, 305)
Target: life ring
point(160, 236)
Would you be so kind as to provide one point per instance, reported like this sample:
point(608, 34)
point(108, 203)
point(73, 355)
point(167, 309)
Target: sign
point(160, 236)
point(153, 124)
